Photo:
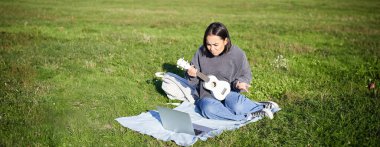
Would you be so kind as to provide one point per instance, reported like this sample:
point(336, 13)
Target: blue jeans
point(235, 107)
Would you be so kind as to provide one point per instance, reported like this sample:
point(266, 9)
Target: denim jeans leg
point(214, 109)
point(239, 104)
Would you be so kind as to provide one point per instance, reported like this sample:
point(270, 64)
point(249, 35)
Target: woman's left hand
point(242, 86)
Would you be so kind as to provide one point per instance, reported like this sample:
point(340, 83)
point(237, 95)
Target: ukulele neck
point(203, 76)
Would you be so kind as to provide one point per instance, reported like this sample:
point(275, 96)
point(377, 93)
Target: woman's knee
point(207, 105)
point(232, 97)
point(236, 103)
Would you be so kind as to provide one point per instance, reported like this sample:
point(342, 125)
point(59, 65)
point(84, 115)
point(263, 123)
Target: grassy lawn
point(69, 68)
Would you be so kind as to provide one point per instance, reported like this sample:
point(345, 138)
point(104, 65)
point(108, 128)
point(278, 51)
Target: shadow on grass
point(173, 69)
point(157, 82)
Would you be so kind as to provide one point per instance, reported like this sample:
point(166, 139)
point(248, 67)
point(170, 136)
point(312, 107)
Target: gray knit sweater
point(230, 66)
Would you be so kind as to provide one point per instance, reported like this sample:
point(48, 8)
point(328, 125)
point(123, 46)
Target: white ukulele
point(219, 89)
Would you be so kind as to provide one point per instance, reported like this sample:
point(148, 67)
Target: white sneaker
point(270, 105)
point(262, 113)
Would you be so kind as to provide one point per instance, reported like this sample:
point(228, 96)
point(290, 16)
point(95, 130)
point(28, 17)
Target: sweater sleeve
point(245, 73)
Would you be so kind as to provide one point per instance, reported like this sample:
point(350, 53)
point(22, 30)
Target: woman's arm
point(192, 79)
point(243, 80)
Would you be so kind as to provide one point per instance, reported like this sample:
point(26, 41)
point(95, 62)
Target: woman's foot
point(270, 105)
point(262, 113)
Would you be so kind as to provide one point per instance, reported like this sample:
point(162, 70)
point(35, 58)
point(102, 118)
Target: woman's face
point(215, 44)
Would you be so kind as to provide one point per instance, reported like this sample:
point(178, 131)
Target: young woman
point(219, 57)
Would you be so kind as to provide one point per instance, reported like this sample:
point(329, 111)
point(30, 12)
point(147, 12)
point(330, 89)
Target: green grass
point(69, 68)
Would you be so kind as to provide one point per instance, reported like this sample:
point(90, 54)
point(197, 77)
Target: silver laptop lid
point(175, 121)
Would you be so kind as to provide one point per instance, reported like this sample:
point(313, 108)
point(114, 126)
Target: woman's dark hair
point(218, 29)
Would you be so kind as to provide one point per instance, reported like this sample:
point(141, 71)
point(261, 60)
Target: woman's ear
point(225, 41)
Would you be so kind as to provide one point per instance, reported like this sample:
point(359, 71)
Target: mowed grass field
point(69, 68)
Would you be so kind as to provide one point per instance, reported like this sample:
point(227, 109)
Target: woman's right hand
point(192, 71)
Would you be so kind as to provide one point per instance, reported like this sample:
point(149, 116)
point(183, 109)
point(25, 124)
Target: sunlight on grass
point(69, 68)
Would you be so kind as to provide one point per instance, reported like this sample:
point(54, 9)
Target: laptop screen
point(179, 122)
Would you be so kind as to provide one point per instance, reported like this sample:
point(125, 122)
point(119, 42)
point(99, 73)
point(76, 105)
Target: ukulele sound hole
point(213, 84)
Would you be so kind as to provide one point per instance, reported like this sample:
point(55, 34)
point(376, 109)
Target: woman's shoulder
point(199, 51)
point(235, 50)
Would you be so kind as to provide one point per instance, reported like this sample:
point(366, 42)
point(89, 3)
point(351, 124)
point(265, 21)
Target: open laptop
point(179, 122)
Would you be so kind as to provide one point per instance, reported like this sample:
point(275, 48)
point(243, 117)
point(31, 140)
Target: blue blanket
point(148, 123)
